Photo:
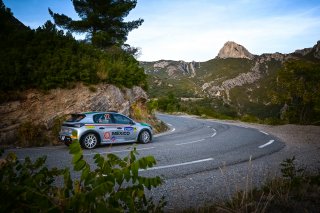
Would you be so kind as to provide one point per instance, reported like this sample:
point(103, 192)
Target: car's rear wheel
point(89, 141)
point(145, 137)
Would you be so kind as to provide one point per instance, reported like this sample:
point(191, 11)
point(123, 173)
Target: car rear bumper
point(67, 140)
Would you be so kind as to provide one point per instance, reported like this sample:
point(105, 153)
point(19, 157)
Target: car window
point(120, 119)
point(102, 118)
point(76, 117)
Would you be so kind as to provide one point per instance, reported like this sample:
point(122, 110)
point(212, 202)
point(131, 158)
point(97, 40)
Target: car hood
point(144, 124)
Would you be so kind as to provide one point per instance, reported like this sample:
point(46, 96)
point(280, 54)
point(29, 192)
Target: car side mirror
point(132, 123)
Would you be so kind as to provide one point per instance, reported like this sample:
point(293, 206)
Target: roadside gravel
point(205, 188)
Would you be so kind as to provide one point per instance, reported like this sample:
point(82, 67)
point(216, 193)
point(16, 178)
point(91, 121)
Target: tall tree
point(102, 20)
point(298, 87)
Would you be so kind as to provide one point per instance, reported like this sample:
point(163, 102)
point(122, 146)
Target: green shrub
point(138, 111)
point(250, 118)
point(152, 105)
point(113, 186)
point(168, 103)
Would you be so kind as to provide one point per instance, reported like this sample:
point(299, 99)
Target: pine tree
point(102, 20)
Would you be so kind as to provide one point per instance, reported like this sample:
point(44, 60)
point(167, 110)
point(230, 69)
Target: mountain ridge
point(230, 50)
point(301, 52)
point(238, 78)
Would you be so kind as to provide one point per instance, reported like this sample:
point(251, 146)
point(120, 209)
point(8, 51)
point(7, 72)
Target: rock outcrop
point(43, 109)
point(161, 64)
point(173, 68)
point(233, 50)
point(314, 51)
point(304, 51)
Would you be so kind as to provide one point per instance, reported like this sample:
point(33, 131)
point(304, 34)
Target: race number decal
point(106, 135)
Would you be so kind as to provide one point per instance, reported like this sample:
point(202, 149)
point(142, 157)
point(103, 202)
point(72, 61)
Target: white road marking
point(215, 132)
point(174, 129)
point(119, 151)
point(178, 164)
point(264, 132)
point(190, 142)
point(266, 144)
point(164, 133)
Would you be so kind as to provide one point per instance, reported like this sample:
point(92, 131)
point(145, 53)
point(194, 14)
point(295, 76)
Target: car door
point(105, 126)
point(125, 128)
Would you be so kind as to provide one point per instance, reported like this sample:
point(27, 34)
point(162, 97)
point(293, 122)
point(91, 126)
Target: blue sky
point(197, 29)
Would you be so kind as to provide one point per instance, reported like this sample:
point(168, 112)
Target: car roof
point(96, 112)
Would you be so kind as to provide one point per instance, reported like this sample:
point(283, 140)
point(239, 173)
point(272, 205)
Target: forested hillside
point(48, 58)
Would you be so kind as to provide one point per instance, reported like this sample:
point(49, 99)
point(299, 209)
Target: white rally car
point(94, 128)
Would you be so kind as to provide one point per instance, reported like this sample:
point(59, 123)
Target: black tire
point(145, 136)
point(89, 141)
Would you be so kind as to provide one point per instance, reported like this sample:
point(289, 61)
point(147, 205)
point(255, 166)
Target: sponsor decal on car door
point(105, 126)
point(133, 132)
point(120, 134)
point(125, 132)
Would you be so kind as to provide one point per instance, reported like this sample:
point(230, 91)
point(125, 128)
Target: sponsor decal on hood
point(145, 124)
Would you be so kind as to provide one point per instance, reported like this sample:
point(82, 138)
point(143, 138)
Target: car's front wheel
point(89, 141)
point(145, 137)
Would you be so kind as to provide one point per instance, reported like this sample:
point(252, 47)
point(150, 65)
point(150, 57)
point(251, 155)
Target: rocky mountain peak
point(233, 50)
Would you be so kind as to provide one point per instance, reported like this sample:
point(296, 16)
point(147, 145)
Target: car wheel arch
point(93, 132)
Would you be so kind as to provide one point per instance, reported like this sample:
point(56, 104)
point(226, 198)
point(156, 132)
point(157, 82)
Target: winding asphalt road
point(193, 148)
point(196, 145)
